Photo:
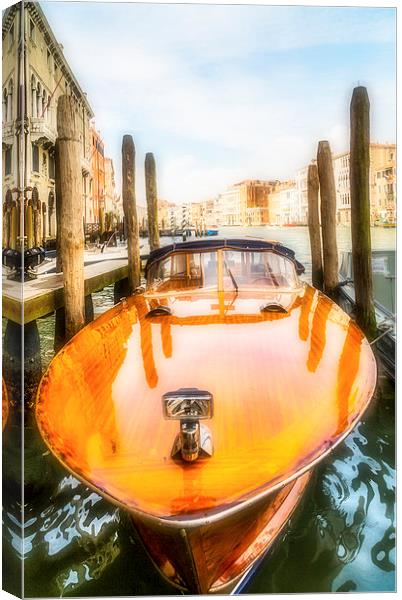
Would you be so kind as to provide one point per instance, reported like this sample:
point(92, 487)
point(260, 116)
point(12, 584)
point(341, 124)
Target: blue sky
point(224, 93)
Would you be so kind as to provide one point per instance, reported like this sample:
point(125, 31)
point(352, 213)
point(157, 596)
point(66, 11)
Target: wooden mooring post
point(314, 226)
point(130, 213)
point(328, 218)
point(152, 201)
point(71, 214)
point(360, 210)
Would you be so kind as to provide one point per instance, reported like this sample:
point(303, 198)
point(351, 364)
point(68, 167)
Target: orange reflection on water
point(99, 406)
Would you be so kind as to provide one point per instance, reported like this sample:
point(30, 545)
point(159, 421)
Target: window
point(35, 158)
point(4, 105)
point(51, 167)
point(44, 164)
point(8, 161)
point(49, 60)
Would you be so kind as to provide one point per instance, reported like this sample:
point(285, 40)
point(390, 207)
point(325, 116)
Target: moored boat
point(383, 268)
point(202, 403)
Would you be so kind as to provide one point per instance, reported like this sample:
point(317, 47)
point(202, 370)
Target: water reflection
point(343, 537)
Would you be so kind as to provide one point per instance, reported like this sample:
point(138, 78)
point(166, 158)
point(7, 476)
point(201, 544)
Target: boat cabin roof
point(206, 245)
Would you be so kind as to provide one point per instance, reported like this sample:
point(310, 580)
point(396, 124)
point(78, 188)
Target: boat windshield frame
point(192, 274)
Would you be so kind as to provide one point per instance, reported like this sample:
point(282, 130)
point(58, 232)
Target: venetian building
point(164, 213)
point(283, 204)
point(97, 179)
point(32, 82)
point(382, 184)
point(229, 202)
point(111, 198)
point(254, 201)
point(301, 186)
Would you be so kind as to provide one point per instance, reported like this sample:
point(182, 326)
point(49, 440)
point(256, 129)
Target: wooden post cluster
point(328, 218)
point(360, 209)
point(152, 201)
point(130, 212)
point(71, 246)
point(314, 226)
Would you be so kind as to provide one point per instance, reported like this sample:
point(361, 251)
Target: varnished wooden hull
point(287, 388)
point(212, 557)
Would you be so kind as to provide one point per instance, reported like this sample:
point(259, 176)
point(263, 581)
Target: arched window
point(39, 100)
point(50, 203)
point(44, 105)
point(10, 101)
point(9, 200)
point(34, 105)
point(35, 199)
point(5, 105)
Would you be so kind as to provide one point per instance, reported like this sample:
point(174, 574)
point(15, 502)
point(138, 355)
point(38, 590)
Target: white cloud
point(219, 93)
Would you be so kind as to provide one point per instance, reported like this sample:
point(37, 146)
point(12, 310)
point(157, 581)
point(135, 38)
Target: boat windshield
point(224, 269)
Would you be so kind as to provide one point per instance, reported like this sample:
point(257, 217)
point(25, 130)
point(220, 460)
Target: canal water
point(341, 538)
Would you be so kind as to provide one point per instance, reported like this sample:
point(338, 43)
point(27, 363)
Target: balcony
point(8, 132)
point(42, 132)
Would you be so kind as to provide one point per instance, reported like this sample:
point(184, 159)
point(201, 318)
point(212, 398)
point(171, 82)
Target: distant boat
point(212, 231)
point(383, 266)
point(202, 403)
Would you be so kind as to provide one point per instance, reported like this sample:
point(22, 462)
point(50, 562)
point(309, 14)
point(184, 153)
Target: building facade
point(97, 182)
point(33, 80)
point(382, 184)
point(284, 204)
point(111, 198)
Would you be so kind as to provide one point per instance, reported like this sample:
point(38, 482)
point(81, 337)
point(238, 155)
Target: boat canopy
point(234, 244)
point(223, 265)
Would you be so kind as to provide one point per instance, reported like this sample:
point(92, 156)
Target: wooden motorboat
point(383, 267)
point(202, 403)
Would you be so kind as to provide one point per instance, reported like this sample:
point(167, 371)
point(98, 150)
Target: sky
point(225, 93)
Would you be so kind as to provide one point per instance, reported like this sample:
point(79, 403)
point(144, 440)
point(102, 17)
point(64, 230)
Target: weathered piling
point(328, 218)
point(71, 215)
point(130, 212)
point(360, 209)
point(57, 189)
point(314, 226)
point(152, 201)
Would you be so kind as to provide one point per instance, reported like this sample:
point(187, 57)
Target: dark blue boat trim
point(235, 244)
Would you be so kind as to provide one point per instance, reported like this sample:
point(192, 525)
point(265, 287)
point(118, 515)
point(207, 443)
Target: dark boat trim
point(236, 244)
